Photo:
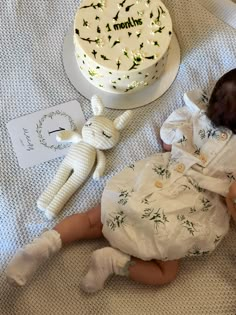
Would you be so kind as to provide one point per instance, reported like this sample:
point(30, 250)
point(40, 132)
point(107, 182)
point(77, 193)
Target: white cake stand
point(121, 101)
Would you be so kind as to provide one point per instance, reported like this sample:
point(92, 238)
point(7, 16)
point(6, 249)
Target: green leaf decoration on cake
point(160, 29)
point(88, 39)
point(132, 86)
point(136, 61)
point(157, 20)
point(118, 64)
point(115, 18)
point(125, 52)
point(162, 11)
point(128, 7)
point(85, 23)
point(122, 3)
point(115, 42)
point(98, 29)
point(99, 5)
point(129, 88)
point(104, 57)
point(134, 66)
point(150, 57)
point(94, 52)
point(92, 72)
point(129, 33)
point(137, 58)
point(140, 13)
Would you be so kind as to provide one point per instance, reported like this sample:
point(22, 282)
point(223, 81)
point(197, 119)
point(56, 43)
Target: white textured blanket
point(33, 78)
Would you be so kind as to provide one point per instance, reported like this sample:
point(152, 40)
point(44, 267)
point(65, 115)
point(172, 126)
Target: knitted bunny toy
point(99, 133)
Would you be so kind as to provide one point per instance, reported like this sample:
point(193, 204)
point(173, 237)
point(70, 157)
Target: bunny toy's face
point(100, 132)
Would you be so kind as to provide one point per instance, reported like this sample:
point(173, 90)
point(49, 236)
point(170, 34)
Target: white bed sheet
point(33, 78)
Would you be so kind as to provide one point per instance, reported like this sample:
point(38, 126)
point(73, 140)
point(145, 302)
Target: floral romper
point(170, 205)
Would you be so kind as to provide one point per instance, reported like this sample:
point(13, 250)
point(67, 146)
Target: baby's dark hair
point(222, 104)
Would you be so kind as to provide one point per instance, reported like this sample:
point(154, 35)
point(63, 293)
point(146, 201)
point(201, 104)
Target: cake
point(122, 46)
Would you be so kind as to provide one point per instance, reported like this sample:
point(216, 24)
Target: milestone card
point(34, 136)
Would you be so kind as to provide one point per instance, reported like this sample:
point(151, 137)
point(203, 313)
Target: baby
point(160, 209)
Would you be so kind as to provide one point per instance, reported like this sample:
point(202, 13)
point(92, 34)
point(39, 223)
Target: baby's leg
point(81, 226)
point(75, 227)
point(107, 261)
point(153, 272)
point(58, 181)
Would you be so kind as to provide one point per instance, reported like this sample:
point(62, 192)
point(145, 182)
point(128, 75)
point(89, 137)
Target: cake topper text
point(130, 23)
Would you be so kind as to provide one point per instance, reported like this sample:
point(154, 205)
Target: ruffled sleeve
point(176, 120)
point(195, 101)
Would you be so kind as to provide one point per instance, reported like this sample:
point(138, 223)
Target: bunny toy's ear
point(122, 121)
point(97, 105)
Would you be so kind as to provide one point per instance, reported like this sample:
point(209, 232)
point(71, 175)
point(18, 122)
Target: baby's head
point(222, 104)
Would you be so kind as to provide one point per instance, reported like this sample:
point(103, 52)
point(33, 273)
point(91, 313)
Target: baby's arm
point(68, 136)
point(172, 123)
point(231, 200)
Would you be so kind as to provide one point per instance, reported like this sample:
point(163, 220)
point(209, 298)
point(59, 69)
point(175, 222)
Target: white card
point(34, 136)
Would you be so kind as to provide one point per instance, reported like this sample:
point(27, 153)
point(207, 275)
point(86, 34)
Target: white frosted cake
point(122, 46)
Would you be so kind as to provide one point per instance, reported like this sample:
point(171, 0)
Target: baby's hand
point(231, 200)
point(232, 191)
point(166, 147)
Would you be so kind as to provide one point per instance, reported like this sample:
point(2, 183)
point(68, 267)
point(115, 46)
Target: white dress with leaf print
point(170, 205)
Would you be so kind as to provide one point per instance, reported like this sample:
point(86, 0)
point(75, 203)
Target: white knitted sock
point(104, 262)
point(28, 259)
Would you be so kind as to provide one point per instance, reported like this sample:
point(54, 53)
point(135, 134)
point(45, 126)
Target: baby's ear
point(97, 105)
point(122, 121)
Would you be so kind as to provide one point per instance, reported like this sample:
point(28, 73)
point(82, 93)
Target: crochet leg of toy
point(104, 262)
point(64, 194)
point(28, 259)
point(58, 181)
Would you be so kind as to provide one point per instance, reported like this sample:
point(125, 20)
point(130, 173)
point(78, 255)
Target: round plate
point(121, 101)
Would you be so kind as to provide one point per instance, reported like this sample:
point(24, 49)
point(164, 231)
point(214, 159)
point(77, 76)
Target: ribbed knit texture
point(98, 133)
